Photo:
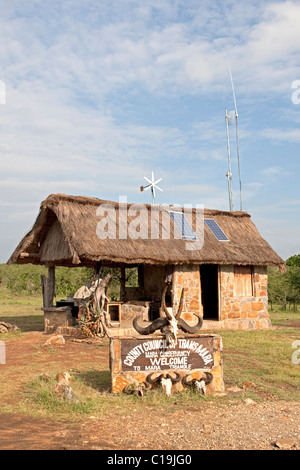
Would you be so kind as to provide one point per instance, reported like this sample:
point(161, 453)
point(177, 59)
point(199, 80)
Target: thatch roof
point(65, 234)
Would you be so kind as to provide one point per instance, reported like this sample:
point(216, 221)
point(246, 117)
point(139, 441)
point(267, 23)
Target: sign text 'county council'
point(154, 354)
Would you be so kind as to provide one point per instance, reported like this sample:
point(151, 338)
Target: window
point(216, 230)
point(243, 281)
point(183, 226)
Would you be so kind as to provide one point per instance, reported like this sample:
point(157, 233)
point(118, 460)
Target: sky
point(95, 95)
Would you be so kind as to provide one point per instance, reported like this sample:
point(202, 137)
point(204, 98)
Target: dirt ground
point(241, 426)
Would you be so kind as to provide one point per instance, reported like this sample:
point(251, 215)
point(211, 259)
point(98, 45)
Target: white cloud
point(73, 69)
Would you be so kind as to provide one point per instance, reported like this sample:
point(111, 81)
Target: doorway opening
point(210, 292)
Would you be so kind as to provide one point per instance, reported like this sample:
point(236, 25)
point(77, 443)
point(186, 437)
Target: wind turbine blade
point(147, 179)
point(159, 189)
point(147, 187)
point(157, 181)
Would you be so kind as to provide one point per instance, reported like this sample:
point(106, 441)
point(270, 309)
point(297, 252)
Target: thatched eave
point(65, 234)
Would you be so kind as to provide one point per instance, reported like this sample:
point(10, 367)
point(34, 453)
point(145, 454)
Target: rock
point(57, 339)
point(5, 327)
point(248, 401)
point(285, 444)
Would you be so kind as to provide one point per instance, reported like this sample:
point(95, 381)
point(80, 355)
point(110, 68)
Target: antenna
point(237, 140)
point(152, 185)
point(229, 174)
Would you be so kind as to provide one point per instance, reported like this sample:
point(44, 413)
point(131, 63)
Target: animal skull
point(200, 384)
point(166, 384)
point(170, 324)
point(165, 380)
point(137, 389)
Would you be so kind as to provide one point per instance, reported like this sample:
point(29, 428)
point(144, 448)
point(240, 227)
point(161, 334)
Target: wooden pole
point(48, 287)
point(122, 284)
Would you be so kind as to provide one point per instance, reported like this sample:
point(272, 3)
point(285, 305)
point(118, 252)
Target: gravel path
point(263, 426)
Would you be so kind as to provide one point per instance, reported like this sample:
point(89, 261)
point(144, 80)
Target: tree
point(293, 261)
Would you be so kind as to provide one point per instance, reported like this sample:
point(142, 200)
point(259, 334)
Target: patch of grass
point(263, 358)
point(23, 311)
point(282, 318)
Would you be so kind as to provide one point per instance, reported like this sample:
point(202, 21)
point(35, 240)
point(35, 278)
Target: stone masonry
point(234, 312)
point(188, 278)
point(244, 312)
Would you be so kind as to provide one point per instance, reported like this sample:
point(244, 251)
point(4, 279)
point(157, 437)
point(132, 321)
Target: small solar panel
point(182, 224)
point(216, 230)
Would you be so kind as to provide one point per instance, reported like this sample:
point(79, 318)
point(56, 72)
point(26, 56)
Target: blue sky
point(101, 93)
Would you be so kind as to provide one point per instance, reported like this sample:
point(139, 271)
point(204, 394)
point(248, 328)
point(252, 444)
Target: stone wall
point(187, 277)
point(131, 310)
point(244, 312)
point(57, 317)
point(234, 312)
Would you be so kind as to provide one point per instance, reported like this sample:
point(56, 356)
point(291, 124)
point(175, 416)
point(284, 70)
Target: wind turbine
point(152, 185)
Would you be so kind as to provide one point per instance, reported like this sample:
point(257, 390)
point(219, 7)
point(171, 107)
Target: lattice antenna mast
point(229, 174)
point(152, 185)
point(237, 140)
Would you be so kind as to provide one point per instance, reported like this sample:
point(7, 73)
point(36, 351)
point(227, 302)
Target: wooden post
point(122, 285)
point(97, 267)
point(48, 287)
point(173, 289)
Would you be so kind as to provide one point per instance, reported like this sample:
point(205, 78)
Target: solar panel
point(216, 230)
point(182, 224)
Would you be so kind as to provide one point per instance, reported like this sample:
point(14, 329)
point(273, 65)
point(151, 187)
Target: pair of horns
point(159, 323)
point(137, 390)
point(151, 380)
point(207, 379)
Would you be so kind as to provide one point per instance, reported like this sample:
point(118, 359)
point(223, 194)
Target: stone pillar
point(187, 277)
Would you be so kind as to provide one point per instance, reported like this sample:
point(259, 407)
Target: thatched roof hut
point(65, 234)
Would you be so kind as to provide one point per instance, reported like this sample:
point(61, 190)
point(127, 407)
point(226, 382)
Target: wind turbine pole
point(229, 174)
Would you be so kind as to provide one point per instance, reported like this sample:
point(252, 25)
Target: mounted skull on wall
point(170, 324)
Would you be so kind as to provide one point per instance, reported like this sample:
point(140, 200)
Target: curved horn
point(208, 379)
point(176, 379)
point(138, 392)
point(190, 383)
point(146, 385)
point(126, 389)
point(155, 325)
point(153, 381)
point(163, 303)
point(177, 316)
point(188, 328)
